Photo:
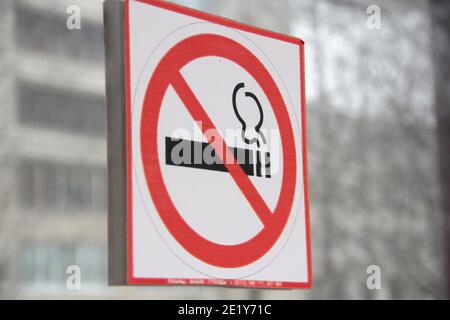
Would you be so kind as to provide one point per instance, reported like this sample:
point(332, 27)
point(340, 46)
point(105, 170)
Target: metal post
point(440, 14)
point(113, 15)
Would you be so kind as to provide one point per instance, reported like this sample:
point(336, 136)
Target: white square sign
point(216, 151)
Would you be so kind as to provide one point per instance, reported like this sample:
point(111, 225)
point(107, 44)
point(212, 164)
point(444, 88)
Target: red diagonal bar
point(244, 183)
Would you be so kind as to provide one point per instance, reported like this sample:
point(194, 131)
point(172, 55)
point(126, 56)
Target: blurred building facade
point(55, 154)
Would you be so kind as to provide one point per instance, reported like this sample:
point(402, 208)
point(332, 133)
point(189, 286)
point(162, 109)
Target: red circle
point(185, 51)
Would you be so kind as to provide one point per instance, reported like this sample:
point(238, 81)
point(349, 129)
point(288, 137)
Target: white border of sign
point(239, 278)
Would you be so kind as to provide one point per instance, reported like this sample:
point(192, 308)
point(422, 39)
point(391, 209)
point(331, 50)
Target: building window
point(44, 266)
point(63, 110)
point(61, 187)
point(48, 33)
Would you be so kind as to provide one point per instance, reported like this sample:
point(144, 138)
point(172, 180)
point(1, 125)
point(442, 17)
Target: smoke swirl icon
point(250, 133)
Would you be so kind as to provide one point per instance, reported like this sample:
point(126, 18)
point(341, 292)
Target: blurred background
point(378, 129)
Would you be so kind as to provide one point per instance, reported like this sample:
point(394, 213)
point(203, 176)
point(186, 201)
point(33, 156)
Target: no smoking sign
point(216, 151)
